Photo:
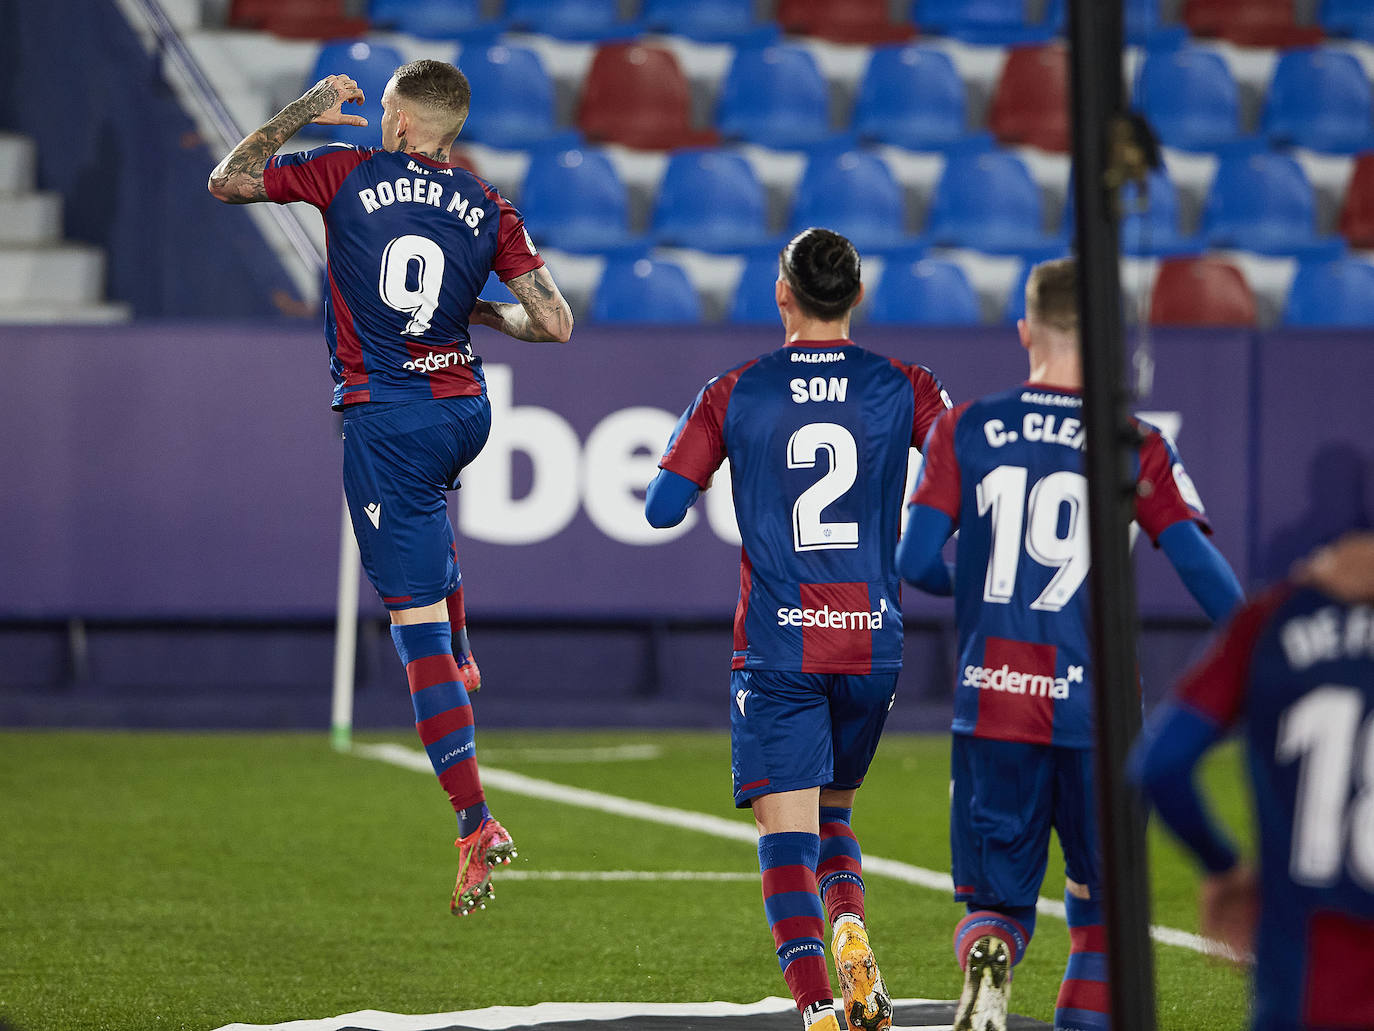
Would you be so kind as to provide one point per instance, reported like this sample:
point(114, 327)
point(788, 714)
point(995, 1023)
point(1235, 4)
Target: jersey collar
point(822, 345)
point(1053, 388)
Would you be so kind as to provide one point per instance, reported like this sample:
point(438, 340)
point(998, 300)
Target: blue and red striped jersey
point(410, 243)
point(1007, 470)
point(818, 436)
point(1297, 668)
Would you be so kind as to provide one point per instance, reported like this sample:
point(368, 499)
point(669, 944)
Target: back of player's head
point(822, 268)
point(440, 91)
point(1052, 294)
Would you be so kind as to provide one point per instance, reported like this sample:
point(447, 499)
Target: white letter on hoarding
point(621, 458)
point(486, 509)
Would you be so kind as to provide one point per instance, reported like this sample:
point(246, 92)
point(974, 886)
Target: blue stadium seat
point(923, 293)
point(1001, 22)
point(432, 19)
point(1263, 202)
point(1320, 98)
point(1145, 25)
point(709, 21)
point(645, 291)
point(1156, 231)
point(1332, 293)
point(710, 199)
point(989, 202)
point(1190, 98)
point(1015, 306)
point(574, 199)
point(754, 303)
point(854, 193)
point(1349, 18)
point(512, 97)
point(370, 65)
point(775, 96)
point(913, 97)
point(580, 20)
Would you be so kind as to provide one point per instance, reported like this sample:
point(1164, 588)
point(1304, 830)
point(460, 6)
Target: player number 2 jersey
point(411, 242)
point(1008, 470)
point(818, 437)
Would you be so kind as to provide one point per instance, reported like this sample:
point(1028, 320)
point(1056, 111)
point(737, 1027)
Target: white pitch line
point(600, 754)
point(627, 875)
point(734, 830)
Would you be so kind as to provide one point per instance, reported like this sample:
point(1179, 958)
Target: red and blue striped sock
point(839, 874)
point(458, 625)
point(1015, 925)
point(443, 716)
point(1084, 997)
point(787, 862)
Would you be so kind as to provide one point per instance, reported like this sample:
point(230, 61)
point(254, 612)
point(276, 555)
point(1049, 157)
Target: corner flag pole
point(345, 638)
point(1095, 32)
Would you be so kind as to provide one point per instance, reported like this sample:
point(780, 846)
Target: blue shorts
point(803, 730)
point(399, 460)
point(1004, 798)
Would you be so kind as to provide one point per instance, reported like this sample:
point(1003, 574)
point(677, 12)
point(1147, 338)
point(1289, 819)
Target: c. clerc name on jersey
point(1039, 428)
point(420, 191)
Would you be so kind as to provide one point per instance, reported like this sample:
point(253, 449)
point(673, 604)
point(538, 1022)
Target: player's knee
point(1078, 891)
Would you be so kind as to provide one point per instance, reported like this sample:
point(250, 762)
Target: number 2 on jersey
point(1002, 493)
point(809, 531)
point(394, 283)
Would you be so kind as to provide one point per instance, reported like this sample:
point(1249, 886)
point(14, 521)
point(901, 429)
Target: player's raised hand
point(344, 91)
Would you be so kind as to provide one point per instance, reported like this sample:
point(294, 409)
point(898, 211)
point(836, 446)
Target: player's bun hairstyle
point(822, 268)
point(438, 86)
point(1052, 294)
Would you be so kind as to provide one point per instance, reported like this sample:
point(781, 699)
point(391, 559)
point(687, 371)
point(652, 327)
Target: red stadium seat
point(1256, 23)
point(637, 95)
point(853, 21)
point(1031, 104)
point(1357, 214)
point(298, 19)
point(1201, 292)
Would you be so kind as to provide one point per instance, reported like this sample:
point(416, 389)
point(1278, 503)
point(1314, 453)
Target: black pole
point(1095, 64)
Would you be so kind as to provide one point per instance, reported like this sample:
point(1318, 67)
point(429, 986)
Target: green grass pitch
point(164, 881)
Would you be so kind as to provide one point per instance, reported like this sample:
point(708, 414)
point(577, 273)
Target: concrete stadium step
point(30, 218)
point(49, 313)
point(64, 274)
point(18, 157)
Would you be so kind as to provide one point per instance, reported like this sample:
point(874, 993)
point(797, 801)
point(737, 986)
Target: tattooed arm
point(542, 313)
point(238, 178)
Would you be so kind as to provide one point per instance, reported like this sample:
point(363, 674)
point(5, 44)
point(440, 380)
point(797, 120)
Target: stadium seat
point(853, 193)
point(1154, 231)
point(637, 96)
point(1263, 202)
point(923, 293)
point(853, 21)
point(912, 97)
point(1255, 23)
point(297, 19)
point(997, 22)
point(1145, 25)
point(709, 21)
point(645, 291)
point(1031, 103)
point(432, 19)
point(573, 199)
point(1332, 293)
point(1015, 305)
point(775, 96)
point(1320, 99)
point(988, 202)
point(711, 200)
point(370, 65)
point(1357, 213)
point(1201, 292)
point(1349, 18)
point(754, 303)
point(512, 96)
point(578, 20)
point(1190, 98)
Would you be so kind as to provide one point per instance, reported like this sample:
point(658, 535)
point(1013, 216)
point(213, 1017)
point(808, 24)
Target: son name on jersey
point(819, 388)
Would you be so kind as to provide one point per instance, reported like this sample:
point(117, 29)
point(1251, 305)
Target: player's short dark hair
point(437, 85)
point(822, 268)
point(1052, 294)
